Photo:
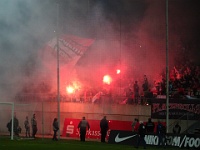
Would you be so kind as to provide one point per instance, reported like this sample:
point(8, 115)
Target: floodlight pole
point(42, 118)
point(167, 72)
point(120, 52)
point(13, 107)
point(58, 69)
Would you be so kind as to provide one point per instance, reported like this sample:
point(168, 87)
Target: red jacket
point(136, 127)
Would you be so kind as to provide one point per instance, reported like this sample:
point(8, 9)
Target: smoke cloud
point(25, 26)
point(130, 35)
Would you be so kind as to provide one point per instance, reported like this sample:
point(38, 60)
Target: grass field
point(48, 144)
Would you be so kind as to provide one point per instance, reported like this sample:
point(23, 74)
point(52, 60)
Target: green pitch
point(48, 144)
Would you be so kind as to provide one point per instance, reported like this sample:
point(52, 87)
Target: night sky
point(127, 33)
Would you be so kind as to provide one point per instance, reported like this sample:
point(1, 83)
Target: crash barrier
point(130, 138)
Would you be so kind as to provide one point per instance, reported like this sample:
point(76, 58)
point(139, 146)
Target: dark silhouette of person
point(141, 135)
point(161, 132)
point(9, 127)
point(177, 129)
point(34, 125)
point(55, 129)
point(135, 125)
point(83, 125)
point(146, 89)
point(163, 86)
point(145, 85)
point(15, 126)
point(104, 128)
point(130, 97)
point(27, 127)
point(136, 92)
point(150, 126)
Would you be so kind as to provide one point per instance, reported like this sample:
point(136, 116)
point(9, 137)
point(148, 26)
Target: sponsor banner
point(70, 128)
point(130, 138)
point(123, 137)
point(187, 109)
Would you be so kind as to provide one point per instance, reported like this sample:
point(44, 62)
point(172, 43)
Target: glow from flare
point(70, 89)
point(107, 79)
point(118, 71)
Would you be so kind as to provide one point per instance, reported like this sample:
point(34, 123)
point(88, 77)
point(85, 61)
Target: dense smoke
point(25, 26)
point(130, 35)
point(126, 38)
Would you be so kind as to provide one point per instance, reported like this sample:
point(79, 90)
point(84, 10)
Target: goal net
point(8, 110)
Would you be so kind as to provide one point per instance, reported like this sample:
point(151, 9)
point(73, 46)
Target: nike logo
point(120, 139)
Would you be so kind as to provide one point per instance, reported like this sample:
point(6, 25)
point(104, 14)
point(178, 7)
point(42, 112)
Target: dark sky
point(128, 16)
point(130, 31)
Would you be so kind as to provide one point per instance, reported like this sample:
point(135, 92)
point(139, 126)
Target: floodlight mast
point(167, 71)
point(58, 69)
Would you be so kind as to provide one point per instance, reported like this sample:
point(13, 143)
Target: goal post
point(12, 116)
point(8, 112)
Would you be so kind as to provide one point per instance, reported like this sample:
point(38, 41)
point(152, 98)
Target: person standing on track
point(104, 128)
point(55, 129)
point(141, 135)
point(83, 125)
point(34, 125)
point(27, 127)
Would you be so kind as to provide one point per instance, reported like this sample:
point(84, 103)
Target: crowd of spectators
point(183, 80)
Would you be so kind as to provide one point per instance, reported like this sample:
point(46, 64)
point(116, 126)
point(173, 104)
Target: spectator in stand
point(136, 92)
point(177, 128)
point(195, 86)
point(141, 135)
point(163, 86)
point(171, 88)
point(104, 128)
point(146, 90)
point(145, 85)
point(150, 126)
point(129, 96)
point(181, 90)
point(83, 125)
point(135, 125)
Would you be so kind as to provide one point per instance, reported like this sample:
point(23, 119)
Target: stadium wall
point(47, 111)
